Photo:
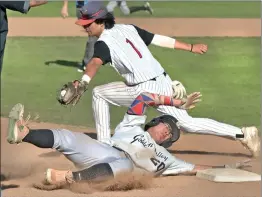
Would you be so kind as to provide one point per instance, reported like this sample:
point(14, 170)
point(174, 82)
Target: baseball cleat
point(251, 140)
point(149, 8)
point(16, 125)
point(82, 69)
point(55, 177)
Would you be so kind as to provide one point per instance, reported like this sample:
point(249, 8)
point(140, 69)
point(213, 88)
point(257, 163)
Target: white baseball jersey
point(130, 56)
point(143, 150)
point(125, 47)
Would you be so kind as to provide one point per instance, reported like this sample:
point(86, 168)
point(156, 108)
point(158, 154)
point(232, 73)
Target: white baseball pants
point(119, 94)
point(122, 4)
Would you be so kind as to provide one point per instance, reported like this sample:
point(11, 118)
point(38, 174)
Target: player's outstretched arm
point(35, 3)
point(182, 168)
point(91, 69)
point(146, 99)
point(21, 6)
point(168, 42)
point(101, 57)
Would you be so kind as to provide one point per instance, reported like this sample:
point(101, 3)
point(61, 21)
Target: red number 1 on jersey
point(133, 46)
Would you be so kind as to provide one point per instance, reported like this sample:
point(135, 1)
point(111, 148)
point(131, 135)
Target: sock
point(42, 138)
point(136, 9)
point(101, 171)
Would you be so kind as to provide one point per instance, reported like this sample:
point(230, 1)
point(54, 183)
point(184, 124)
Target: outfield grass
point(165, 9)
point(228, 77)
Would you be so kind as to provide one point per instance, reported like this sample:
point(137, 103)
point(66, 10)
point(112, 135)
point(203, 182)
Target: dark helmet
point(172, 122)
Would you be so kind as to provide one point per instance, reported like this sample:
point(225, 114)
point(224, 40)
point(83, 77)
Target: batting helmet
point(172, 122)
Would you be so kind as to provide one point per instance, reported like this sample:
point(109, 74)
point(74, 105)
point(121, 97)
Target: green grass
point(165, 9)
point(228, 77)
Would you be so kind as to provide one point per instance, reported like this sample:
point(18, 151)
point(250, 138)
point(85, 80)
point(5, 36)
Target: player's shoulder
point(125, 26)
point(131, 121)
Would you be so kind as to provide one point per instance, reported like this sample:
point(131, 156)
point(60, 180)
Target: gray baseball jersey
point(131, 148)
point(143, 150)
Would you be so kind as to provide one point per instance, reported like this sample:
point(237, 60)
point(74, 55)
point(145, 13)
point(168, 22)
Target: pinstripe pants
point(120, 94)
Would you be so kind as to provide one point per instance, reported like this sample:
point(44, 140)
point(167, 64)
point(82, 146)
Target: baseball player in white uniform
point(125, 48)
point(130, 149)
point(125, 9)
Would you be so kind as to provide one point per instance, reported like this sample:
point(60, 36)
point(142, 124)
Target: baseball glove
point(71, 92)
point(179, 91)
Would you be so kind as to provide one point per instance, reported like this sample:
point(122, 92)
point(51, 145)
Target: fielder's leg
point(129, 10)
point(116, 93)
point(248, 136)
point(78, 14)
point(89, 50)
point(111, 6)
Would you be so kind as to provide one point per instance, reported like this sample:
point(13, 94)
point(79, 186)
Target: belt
point(154, 79)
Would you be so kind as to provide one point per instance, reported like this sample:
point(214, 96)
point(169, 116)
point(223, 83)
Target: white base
point(228, 175)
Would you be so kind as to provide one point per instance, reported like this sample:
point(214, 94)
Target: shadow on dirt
point(11, 186)
point(51, 154)
point(195, 152)
point(3, 186)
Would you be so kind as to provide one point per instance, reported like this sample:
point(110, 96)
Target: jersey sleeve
point(146, 36)
point(102, 52)
point(19, 6)
point(130, 121)
point(178, 166)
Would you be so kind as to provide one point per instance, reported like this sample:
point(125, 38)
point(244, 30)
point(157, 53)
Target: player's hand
point(199, 48)
point(64, 12)
point(191, 100)
point(179, 91)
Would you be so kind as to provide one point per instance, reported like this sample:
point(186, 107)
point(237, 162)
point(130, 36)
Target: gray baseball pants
point(85, 152)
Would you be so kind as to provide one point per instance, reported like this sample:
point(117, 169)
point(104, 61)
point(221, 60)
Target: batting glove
point(179, 91)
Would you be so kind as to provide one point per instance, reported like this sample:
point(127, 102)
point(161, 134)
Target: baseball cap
point(90, 12)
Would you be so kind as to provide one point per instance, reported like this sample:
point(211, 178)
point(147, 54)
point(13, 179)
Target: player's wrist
point(86, 78)
point(191, 47)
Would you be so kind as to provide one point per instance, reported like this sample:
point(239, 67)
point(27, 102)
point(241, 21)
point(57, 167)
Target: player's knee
point(125, 10)
point(110, 9)
point(64, 140)
point(96, 92)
